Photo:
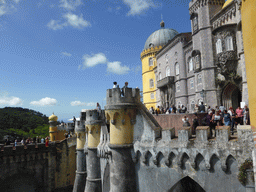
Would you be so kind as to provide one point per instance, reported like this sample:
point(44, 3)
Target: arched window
point(168, 71)
point(151, 83)
point(190, 65)
point(177, 87)
point(229, 43)
point(160, 76)
point(150, 60)
point(191, 84)
point(199, 79)
point(166, 58)
point(218, 46)
point(177, 69)
point(192, 104)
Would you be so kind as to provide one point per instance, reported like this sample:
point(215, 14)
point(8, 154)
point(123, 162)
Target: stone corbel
point(167, 162)
point(155, 161)
point(224, 166)
point(135, 158)
point(113, 122)
point(207, 165)
point(193, 164)
point(133, 121)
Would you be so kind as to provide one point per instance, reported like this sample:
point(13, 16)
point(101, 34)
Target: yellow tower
point(154, 43)
point(249, 34)
point(53, 127)
point(121, 114)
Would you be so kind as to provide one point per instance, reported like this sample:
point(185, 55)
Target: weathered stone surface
point(202, 133)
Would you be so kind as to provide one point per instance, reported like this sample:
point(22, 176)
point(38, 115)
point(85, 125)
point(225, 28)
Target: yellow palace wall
point(249, 38)
point(147, 74)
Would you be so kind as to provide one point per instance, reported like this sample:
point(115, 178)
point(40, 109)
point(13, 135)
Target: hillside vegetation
point(22, 122)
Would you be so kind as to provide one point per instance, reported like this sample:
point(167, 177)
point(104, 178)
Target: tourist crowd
point(217, 116)
point(231, 117)
point(29, 140)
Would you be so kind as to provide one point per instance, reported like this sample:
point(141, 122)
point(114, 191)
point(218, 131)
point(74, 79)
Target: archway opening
point(231, 96)
point(186, 185)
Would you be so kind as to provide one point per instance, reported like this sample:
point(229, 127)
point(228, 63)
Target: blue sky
point(61, 55)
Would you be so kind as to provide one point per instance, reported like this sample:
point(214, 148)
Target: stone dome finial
point(162, 24)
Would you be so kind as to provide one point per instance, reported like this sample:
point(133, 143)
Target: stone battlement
point(115, 98)
point(22, 149)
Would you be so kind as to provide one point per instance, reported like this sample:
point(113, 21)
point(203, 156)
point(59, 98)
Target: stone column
point(93, 127)
point(80, 158)
point(121, 113)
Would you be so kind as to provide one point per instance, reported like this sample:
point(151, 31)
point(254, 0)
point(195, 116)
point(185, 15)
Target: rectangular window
point(150, 61)
point(152, 96)
point(199, 79)
point(191, 84)
point(151, 83)
point(177, 87)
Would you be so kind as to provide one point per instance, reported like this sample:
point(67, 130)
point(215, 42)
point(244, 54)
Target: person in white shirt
point(115, 85)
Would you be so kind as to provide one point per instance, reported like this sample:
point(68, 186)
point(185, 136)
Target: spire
point(162, 22)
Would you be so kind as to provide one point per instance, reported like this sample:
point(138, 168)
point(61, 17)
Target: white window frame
point(190, 65)
point(191, 83)
point(166, 58)
point(152, 96)
point(177, 86)
point(218, 46)
point(151, 83)
point(195, 23)
point(177, 69)
point(149, 61)
point(199, 76)
point(229, 43)
point(167, 71)
point(192, 105)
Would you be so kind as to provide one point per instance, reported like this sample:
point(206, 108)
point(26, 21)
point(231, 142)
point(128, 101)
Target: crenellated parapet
point(195, 4)
point(116, 100)
point(150, 51)
point(185, 152)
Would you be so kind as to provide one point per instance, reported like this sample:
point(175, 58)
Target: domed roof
point(227, 3)
point(160, 37)
point(53, 117)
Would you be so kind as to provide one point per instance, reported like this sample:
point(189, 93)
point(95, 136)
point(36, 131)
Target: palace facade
point(205, 65)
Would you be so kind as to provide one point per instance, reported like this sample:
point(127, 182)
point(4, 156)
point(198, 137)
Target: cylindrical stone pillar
point(121, 113)
point(80, 179)
point(93, 127)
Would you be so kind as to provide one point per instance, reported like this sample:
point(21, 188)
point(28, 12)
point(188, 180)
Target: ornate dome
point(160, 37)
point(227, 3)
point(53, 117)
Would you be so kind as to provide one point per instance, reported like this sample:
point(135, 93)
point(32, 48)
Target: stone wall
point(167, 121)
point(37, 167)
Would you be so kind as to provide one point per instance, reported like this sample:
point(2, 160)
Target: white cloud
point(76, 21)
point(93, 60)
point(138, 6)
point(66, 54)
point(70, 19)
point(79, 103)
point(115, 67)
point(53, 24)
point(137, 69)
point(44, 101)
point(7, 6)
point(12, 101)
point(70, 4)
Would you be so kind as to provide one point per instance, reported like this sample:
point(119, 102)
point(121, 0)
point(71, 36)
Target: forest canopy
point(22, 122)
